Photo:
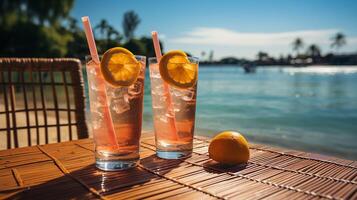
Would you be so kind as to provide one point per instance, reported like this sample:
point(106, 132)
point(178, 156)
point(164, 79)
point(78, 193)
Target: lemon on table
point(229, 147)
point(177, 70)
point(119, 67)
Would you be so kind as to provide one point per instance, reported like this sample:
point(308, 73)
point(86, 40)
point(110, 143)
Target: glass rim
point(101, 55)
point(194, 58)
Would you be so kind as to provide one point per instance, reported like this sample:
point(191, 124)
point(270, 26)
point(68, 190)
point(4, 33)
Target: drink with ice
point(174, 124)
point(116, 144)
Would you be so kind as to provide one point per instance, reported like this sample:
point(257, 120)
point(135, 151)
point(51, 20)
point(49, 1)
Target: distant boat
point(249, 68)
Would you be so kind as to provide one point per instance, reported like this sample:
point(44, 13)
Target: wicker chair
point(41, 101)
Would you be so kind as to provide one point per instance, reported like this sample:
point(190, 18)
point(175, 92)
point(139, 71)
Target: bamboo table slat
point(66, 171)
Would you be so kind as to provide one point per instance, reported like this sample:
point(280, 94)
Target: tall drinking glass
point(173, 130)
point(121, 106)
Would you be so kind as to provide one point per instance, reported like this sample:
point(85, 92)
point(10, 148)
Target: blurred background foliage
point(43, 28)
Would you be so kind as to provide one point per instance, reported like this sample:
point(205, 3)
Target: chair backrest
point(41, 101)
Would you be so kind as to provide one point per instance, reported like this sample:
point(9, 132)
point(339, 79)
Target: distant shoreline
point(298, 61)
point(282, 66)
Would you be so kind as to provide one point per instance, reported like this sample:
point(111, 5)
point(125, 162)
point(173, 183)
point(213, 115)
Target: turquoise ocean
point(311, 109)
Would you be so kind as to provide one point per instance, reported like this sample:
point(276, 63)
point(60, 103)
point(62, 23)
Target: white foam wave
point(326, 70)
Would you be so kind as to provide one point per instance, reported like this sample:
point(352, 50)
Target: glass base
point(115, 165)
point(173, 154)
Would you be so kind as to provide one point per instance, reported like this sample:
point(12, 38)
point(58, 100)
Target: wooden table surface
point(66, 170)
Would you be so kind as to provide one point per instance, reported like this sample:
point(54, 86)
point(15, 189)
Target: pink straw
point(107, 118)
point(90, 39)
point(169, 104)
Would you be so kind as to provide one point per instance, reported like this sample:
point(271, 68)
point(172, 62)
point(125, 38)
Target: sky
point(233, 27)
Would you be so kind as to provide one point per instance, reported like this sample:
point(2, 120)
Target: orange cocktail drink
point(174, 93)
point(116, 106)
point(116, 90)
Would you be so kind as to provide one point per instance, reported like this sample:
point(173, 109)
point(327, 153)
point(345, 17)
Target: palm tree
point(109, 35)
point(262, 56)
point(297, 45)
point(210, 56)
point(203, 53)
point(130, 22)
point(338, 41)
point(112, 32)
point(113, 36)
point(314, 51)
point(102, 27)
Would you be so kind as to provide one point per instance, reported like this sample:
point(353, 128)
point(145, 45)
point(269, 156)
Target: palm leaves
point(338, 40)
point(262, 56)
point(108, 34)
point(107, 31)
point(313, 50)
point(102, 27)
point(130, 22)
point(297, 45)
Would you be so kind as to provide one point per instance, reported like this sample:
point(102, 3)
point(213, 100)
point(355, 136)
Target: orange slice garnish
point(119, 67)
point(177, 70)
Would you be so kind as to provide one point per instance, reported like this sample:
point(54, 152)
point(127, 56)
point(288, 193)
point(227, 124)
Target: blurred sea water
point(311, 109)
